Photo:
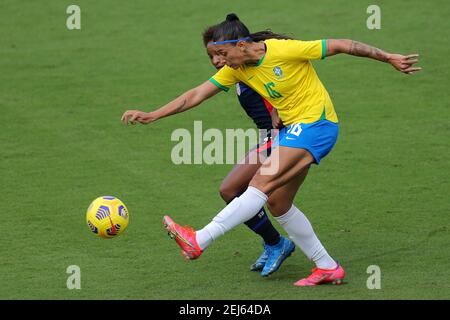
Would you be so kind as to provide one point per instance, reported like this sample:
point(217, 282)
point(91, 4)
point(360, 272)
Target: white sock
point(301, 232)
point(236, 212)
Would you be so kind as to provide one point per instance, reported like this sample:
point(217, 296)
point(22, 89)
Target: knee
point(228, 193)
point(278, 207)
point(260, 182)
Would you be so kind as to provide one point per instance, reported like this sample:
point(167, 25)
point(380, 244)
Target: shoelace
point(316, 276)
point(180, 236)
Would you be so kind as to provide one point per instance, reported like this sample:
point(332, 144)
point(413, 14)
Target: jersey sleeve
point(305, 50)
point(224, 78)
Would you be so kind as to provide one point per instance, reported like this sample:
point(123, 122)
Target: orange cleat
point(321, 276)
point(185, 238)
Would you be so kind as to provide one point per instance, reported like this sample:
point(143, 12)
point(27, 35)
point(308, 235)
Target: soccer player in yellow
point(280, 71)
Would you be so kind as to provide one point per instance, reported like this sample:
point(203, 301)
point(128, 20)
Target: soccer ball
point(107, 217)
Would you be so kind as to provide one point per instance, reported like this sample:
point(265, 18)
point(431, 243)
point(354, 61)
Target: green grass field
point(380, 198)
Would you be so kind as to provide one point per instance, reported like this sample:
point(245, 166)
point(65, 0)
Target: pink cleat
point(320, 276)
point(185, 238)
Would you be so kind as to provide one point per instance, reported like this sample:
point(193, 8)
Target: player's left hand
point(137, 116)
point(404, 63)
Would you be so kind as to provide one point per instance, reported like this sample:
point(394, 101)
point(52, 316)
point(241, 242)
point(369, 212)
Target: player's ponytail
point(233, 28)
point(230, 29)
point(232, 17)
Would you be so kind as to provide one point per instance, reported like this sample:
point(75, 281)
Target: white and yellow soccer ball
point(107, 217)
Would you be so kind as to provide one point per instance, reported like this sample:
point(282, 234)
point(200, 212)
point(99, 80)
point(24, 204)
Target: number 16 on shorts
point(294, 129)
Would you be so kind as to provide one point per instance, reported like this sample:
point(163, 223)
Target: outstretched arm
point(400, 62)
point(184, 102)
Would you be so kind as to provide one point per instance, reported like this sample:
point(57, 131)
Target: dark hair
point(232, 28)
point(208, 35)
point(268, 34)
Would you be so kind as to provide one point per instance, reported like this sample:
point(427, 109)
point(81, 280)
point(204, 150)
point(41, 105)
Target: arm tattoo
point(363, 50)
point(181, 108)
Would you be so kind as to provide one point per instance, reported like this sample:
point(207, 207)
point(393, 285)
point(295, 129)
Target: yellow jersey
point(286, 78)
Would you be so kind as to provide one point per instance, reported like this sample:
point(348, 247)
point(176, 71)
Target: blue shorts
point(318, 137)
